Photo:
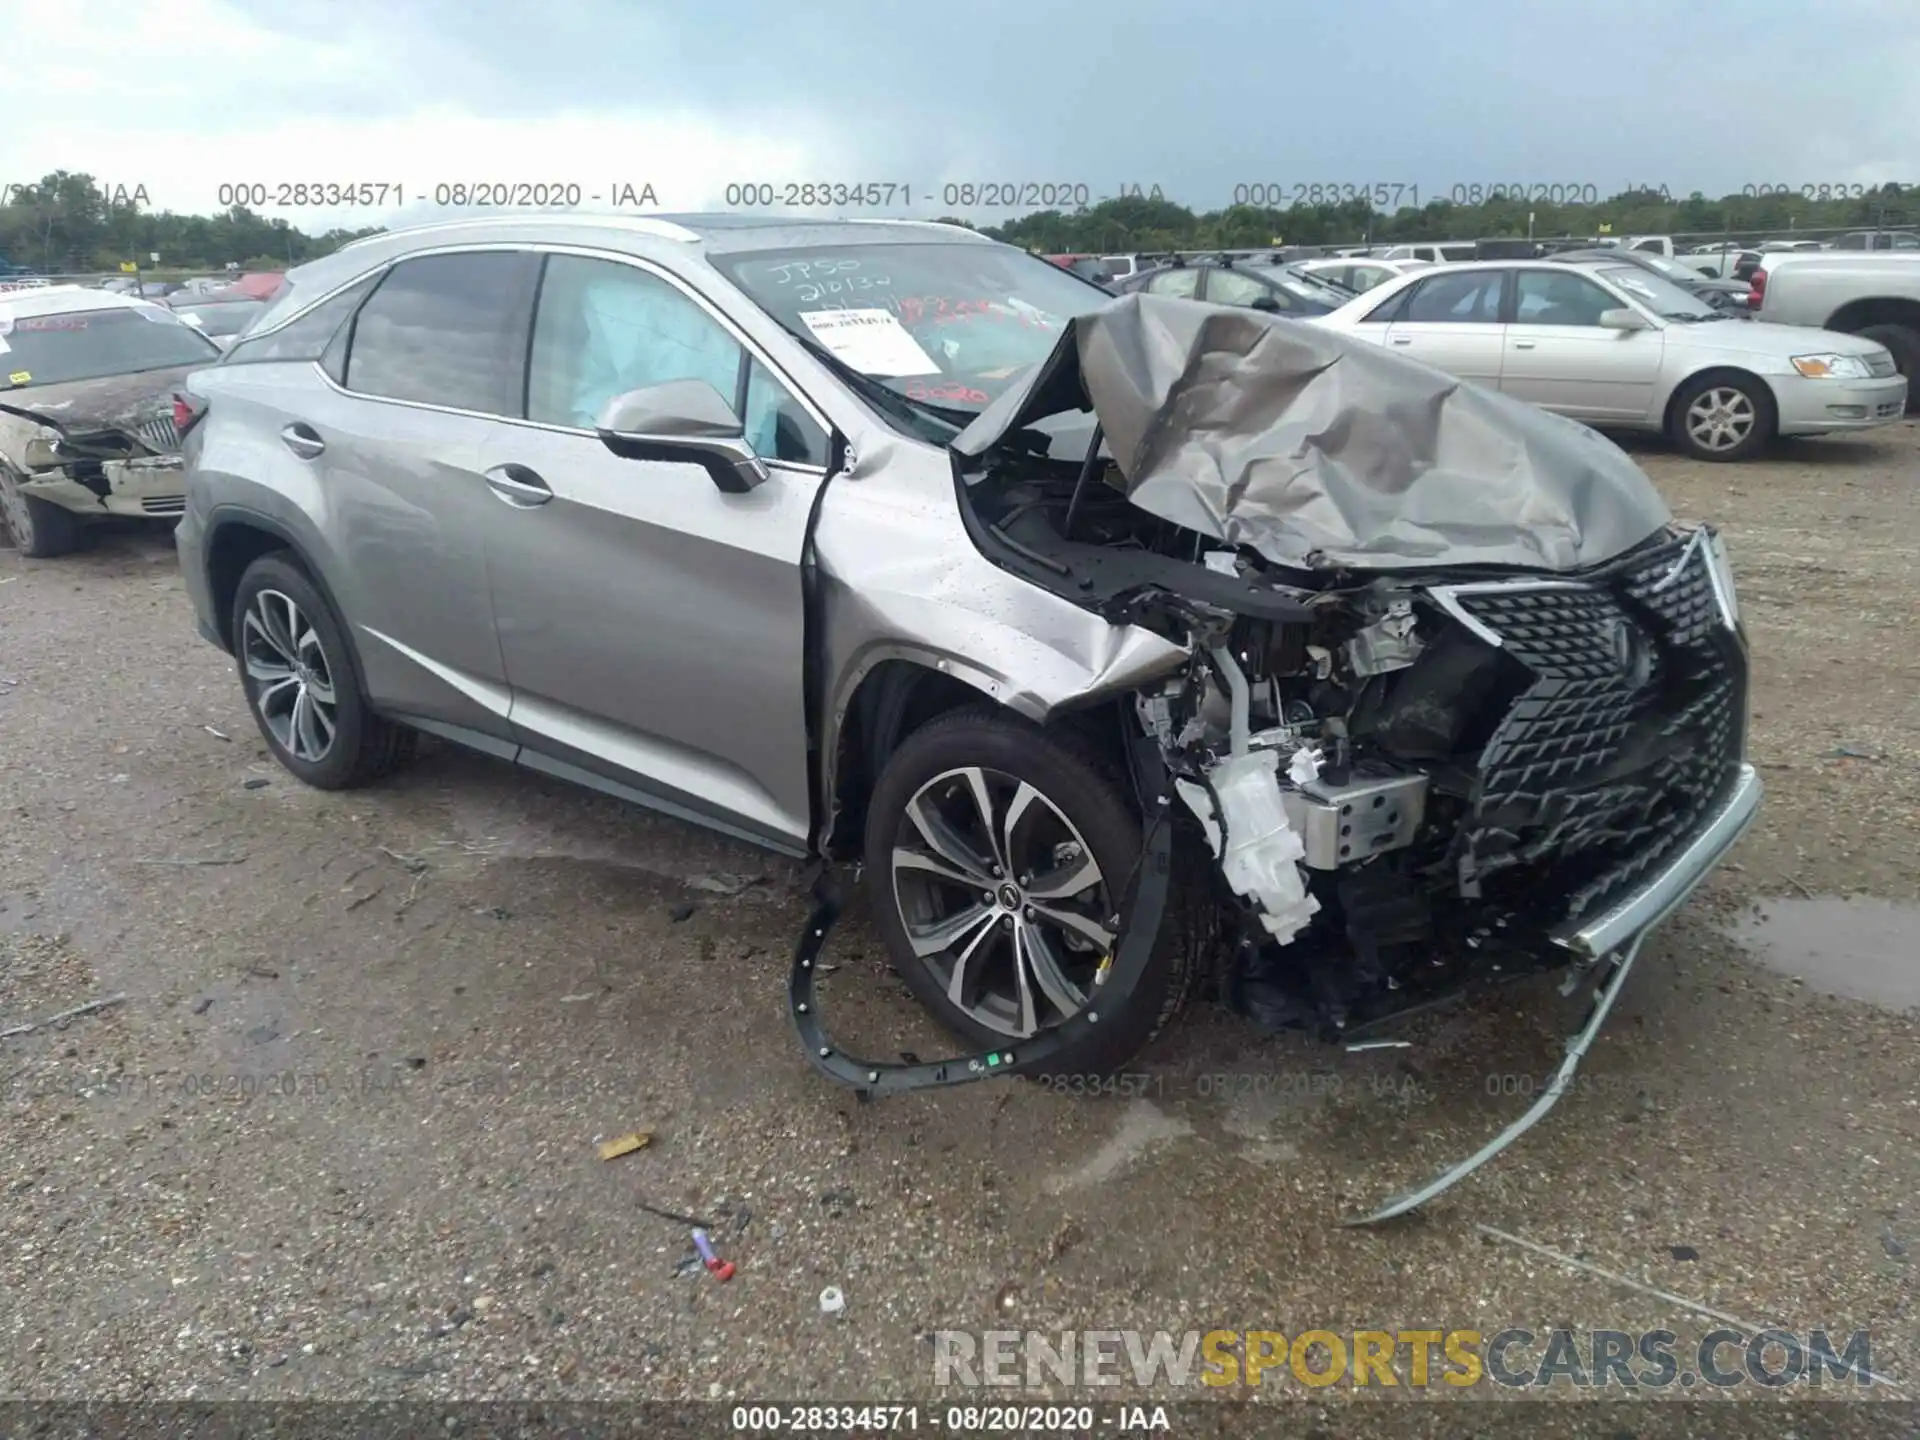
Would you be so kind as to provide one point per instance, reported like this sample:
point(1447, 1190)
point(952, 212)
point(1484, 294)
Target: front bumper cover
point(1647, 905)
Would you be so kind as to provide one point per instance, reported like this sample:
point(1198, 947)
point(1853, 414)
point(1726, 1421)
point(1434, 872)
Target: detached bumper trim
point(1660, 897)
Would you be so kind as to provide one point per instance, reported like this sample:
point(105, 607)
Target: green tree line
point(69, 222)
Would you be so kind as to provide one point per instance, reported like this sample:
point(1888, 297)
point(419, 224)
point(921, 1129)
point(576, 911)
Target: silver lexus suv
point(1123, 640)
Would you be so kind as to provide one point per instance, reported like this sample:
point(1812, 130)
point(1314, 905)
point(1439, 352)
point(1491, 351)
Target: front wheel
point(1724, 417)
point(40, 530)
point(291, 650)
point(999, 854)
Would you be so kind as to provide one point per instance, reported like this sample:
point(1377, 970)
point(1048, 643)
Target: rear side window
point(1471, 297)
point(448, 330)
point(307, 337)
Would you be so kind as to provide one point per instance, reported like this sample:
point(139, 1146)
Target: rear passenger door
point(392, 445)
point(652, 626)
point(1451, 321)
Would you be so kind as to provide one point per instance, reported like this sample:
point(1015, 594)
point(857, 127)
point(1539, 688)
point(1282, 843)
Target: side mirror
point(1266, 304)
point(687, 421)
point(1624, 320)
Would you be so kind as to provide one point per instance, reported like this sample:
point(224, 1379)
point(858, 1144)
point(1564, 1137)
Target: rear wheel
point(40, 530)
point(1904, 342)
point(1725, 416)
point(999, 854)
point(291, 650)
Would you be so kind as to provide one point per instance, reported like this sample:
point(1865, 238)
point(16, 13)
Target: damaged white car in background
point(86, 412)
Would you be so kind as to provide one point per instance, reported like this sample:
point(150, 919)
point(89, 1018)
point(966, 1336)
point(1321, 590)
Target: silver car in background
point(885, 540)
point(1617, 346)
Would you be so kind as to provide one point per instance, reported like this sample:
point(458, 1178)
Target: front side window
point(1547, 298)
point(447, 330)
point(604, 328)
point(92, 344)
point(1473, 297)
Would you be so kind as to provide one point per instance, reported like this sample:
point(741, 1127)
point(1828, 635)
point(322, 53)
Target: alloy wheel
point(290, 676)
point(1721, 418)
point(1001, 899)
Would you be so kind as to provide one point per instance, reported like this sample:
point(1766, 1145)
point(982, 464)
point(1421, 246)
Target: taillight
point(1757, 289)
point(187, 410)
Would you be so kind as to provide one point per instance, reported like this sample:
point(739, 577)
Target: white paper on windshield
point(874, 342)
point(4, 346)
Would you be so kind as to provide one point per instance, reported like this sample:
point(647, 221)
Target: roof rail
point(645, 224)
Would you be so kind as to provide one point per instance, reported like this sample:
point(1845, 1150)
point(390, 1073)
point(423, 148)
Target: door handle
point(519, 486)
point(1402, 339)
point(1523, 344)
point(302, 440)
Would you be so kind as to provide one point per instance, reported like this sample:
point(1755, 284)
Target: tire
point(1904, 342)
point(1741, 402)
point(40, 529)
point(1076, 811)
point(317, 698)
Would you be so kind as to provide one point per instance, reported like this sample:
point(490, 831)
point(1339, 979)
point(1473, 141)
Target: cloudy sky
point(184, 96)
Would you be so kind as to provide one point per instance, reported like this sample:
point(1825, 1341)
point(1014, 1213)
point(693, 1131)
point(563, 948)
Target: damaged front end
point(111, 454)
point(1460, 701)
point(1463, 702)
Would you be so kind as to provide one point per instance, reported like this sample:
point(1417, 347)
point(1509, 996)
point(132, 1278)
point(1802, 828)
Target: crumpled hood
point(1316, 450)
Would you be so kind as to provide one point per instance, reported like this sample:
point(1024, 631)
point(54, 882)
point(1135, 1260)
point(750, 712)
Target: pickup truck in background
point(1873, 294)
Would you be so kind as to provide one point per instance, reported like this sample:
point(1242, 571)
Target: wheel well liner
point(898, 697)
point(1856, 315)
point(893, 700)
point(236, 537)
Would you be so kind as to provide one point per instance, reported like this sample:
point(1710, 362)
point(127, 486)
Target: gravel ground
point(339, 1139)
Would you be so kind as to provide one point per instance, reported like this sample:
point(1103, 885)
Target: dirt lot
point(339, 1138)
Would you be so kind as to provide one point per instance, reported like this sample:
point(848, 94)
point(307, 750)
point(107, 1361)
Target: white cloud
point(178, 99)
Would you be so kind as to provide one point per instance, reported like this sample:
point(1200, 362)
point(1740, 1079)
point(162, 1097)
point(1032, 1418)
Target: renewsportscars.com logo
point(1415, 1359)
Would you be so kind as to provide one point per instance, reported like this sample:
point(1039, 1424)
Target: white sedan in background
point(1616, 346)
point(1359, 273)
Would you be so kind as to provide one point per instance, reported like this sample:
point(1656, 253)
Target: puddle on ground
point(1861, 948)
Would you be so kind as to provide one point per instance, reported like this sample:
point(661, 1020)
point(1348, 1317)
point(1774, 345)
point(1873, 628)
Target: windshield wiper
point(881, 394)
point(1688, 317)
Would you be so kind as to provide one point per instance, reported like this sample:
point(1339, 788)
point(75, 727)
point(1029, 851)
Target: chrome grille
point(1599, 768)
point(159, 434)
point(164, 504)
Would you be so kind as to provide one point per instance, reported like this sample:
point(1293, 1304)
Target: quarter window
point(308, 337)
point(447, 330)
point(603, 328)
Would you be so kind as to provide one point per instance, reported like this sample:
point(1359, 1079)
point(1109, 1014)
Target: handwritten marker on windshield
point(722, 1269)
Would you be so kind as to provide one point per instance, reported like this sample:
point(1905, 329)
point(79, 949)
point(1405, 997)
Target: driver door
point(651, 626)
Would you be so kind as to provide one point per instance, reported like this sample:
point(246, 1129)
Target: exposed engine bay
point(1412, 781)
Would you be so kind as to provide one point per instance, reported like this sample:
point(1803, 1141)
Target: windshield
point(1673, 270)
point(950, 326)
point(1660, 295)
point(226, 318)
point(90, 344)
